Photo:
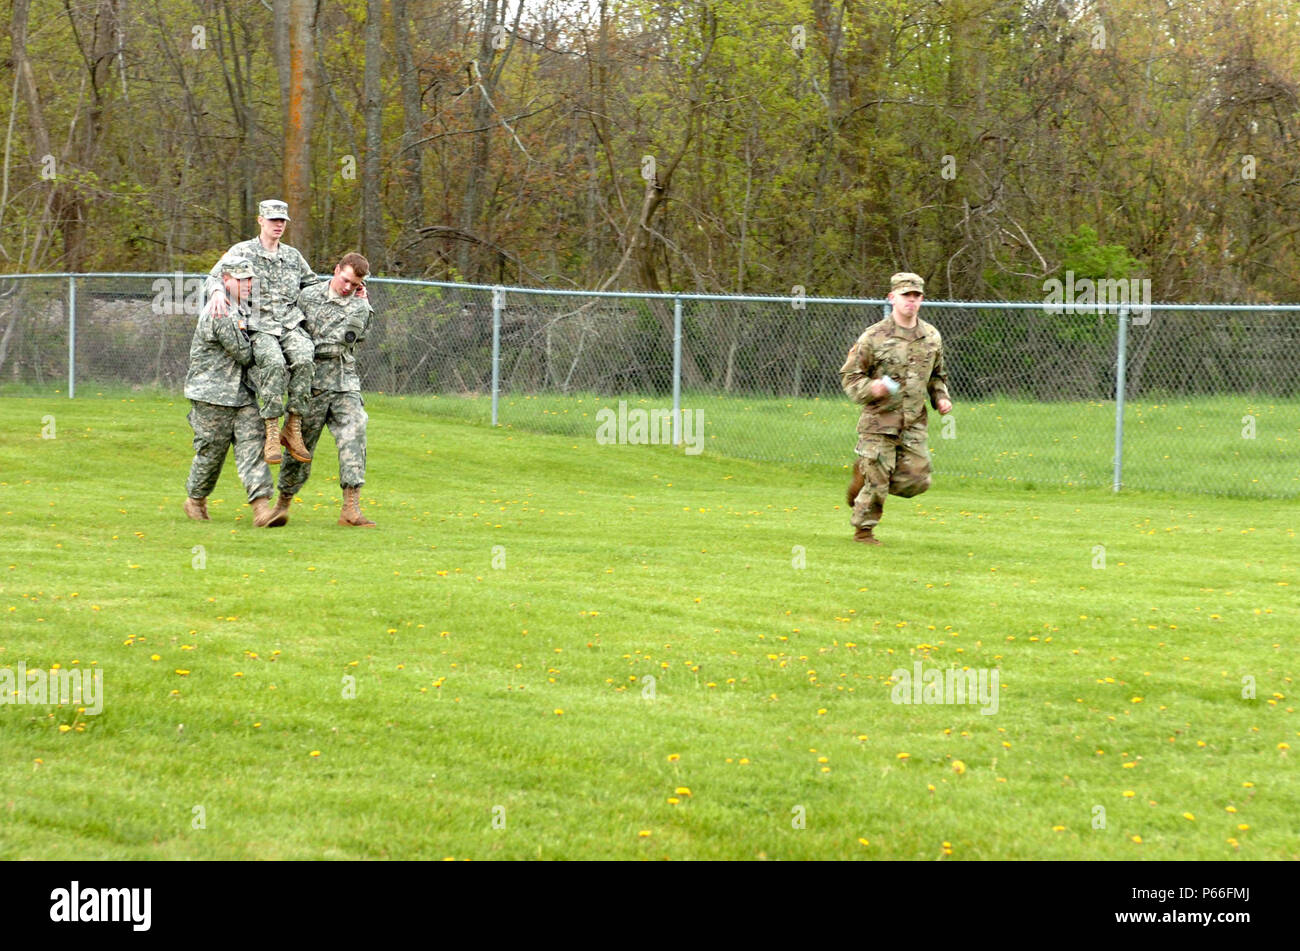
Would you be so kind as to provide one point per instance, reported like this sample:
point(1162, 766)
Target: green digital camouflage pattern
point(219, 352)
point(330, 318)
point(283, 361)
point(280, 276)
point(891, 452)
point(215, 429)
point(346, 417)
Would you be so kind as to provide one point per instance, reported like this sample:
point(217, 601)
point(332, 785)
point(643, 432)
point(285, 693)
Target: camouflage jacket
point(218, 354)
point(280, 276)
point(913, 358)
point(330, 318)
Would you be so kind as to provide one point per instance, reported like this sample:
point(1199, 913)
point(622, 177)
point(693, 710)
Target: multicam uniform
point(892, 455)
point(223, 408)
point(274, 324)
point(336, 324)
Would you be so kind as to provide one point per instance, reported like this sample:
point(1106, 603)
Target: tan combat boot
point(864, 535)
point(351, 514)
point(197, 509)
point(291, 438)
point(280, 514)
point(271, 449)
point(262, 513)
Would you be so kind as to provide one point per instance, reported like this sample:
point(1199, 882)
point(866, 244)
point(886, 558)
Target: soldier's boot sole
point(291, 439)
point(280, 514)
point(261, 512)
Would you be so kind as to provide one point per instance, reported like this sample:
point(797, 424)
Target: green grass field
point(500, 623)
point(1202, 445)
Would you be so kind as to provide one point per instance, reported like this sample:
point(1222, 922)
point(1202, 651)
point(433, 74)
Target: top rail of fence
point(671, 295)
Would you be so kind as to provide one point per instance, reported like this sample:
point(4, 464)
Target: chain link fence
point(1212, 391)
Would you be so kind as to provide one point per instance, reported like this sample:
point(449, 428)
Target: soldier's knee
point(911, 485)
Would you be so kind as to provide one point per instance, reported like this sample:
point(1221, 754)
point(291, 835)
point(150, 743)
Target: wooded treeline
point(722, 146)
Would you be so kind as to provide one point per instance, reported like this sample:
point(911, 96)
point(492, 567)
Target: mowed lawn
point(471, 679)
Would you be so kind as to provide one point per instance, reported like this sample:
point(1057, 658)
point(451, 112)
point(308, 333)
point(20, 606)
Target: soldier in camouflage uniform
point(223, 407)
point(891, 370)
point(282, 350)
point(338, 318)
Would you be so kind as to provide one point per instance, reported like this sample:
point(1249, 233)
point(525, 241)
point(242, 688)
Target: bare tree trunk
point(480, 73)
point(372, 215)
point(412, 164)
point(295, 54)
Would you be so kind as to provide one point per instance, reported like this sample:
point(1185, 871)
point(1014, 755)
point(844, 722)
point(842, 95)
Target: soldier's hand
point(878, 389)
point(361, 292)
point(944, 407)
point(220, 305)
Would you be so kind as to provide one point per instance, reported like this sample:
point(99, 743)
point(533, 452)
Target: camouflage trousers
point(215, 428)
point(346, 417)
point(283, 362)
point(889, 465)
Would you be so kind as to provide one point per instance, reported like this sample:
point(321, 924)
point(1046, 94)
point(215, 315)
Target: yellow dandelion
point(559, 712)
point(1283, 746)
point(183, 673)
point(314, 753)
point(1189, 817)
point(644, 834)
point(958, 767)
point(1230, 808)
point(1129, 794)
point(1233, 842)
point(821, 712)
point(1136, 838)
point(744, 761)
point(1058, 828)
point(1243, 827)
point(64, 728)
point(674, 757)
point(682, 791)
point(155, 657)
point(673, 800)
point(863, 842)
point(904, 755)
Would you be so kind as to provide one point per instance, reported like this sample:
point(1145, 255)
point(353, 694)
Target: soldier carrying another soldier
point(223, 405)
point(892, 368)
point(338, 318)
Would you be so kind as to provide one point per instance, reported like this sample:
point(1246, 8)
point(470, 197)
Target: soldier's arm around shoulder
point(937, 386)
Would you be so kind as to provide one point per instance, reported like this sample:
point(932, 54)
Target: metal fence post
point(498, 296)
point(72, 336)
point(677, 371)
point(1120, 366)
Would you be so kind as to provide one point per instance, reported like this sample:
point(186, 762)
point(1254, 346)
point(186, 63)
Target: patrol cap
point(905, 281)
point(273, 208)
point(238, 267)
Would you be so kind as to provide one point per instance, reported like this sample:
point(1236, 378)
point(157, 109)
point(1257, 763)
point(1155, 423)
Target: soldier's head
point(237, 276)
point(273, 216)
point(349, 274)
point(905, 292)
